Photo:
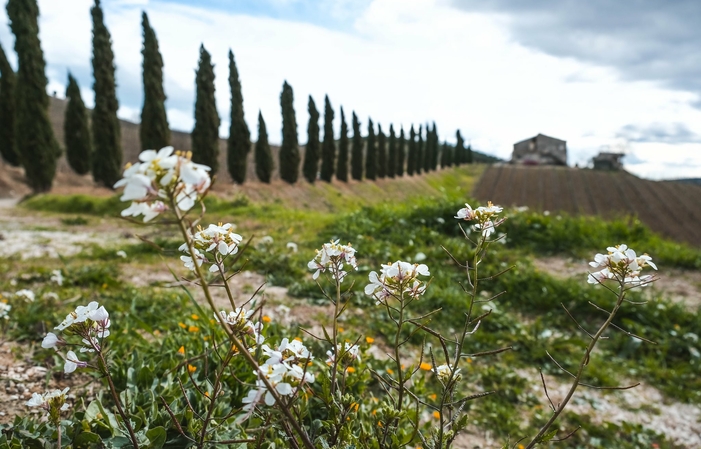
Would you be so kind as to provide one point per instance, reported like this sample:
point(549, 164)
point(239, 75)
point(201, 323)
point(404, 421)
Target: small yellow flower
point(266, 319)
point(181, 351)
point(350, 369)
point(521, 446)
point(340, 329)
point(156, 332)
point(206, 393)
point(193, 329)
point(433, 396)
point(469, 360)
point(437, 415)
point(205, 338)
point(379, 424)
point(183, 325)
point(191, 368)
point(104, 286)
point(369, 340)
point(194, 317)
point(425, 366)
point(390, 371)
point(374, 412)
point(677, 327)
point(354, 406)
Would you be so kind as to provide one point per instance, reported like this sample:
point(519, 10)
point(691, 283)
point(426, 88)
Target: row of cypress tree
point(93, 142)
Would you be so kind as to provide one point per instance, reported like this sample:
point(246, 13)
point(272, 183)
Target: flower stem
point(117, 403)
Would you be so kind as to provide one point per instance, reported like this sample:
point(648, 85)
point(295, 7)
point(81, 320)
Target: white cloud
point(406, 62)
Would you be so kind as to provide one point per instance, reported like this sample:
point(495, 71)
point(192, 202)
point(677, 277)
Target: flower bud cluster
point(218, 240)
point(52, 401)
point(159, 175)
point(285, 370)
point(333, 257)
point(623, 264)
point(240, 323)
point(396, 280)
point(349, 354)
point(444, 372)
point(486, 217)
point(91, 323)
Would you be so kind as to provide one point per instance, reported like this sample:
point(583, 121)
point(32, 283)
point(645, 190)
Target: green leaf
point(156, 437)
point(86, 440)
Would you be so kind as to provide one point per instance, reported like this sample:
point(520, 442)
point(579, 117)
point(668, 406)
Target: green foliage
point(401, 144)
point(370, 153)
point(357, 151)
point(205, 135)
point(8, 89)
point(289, 150)
point(264, 157)
point(35, 143)
point(342, 164)
point(75, 204)
point(329, 150)
point(239, 142)
point(412, 159)
point(76, 130)
point(381, 152)
point(107, 156)
point(310, 167)
point(154, 131)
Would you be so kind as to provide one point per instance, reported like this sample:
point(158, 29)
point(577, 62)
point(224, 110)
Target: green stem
point(336, 351)
point(117, 403)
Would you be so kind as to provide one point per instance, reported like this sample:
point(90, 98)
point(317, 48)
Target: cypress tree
point(289, 150)
point(399, 168)
point(35, 143)
point(342, 164)
point(264, 158)
point(239, 143)
point(459, 155)
point(8, 84)
point(154, 130)
point(310, 167)
point(107, 158)
point(468, 155)
point(411, 157)
point(445, 156)
point(76, 131)
point(205, 135)
point(428, 150)
point(370, 153)
point(357, 151)
point(392, 153)
point(381, 152)
point(328, 154)
point(419, 165)
point(435, 144)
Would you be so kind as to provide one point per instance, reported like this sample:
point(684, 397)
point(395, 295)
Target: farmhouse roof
point(536, 136)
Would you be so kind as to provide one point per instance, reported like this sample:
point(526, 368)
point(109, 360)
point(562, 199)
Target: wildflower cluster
point(240, 323)
point(623, 264)
point(160, 175)
point(397, 279)
point(348, 354)
point(333, 257)
point(285, 370)
point(52, 401)
point(486, 217)
point(444, 373)
point(218, 240)
point(91, 323)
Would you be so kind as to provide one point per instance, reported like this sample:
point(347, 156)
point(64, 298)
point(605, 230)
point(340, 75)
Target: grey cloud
point(672, 133)
point(654, 40)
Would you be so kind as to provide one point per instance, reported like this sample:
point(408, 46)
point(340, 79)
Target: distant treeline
point(92, 140)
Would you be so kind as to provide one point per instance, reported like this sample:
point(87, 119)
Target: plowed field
point(668, 208)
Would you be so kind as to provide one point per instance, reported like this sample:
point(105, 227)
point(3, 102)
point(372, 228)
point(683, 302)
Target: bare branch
point(545, 388)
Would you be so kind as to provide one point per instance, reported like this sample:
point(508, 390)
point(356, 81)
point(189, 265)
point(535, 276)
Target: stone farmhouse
point(540, 150)
point(608, 161)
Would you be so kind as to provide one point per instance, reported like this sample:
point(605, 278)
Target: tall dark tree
point(370, 153)
point(35, 143)
point(435, 144)
point(239, 143)
point(428, 151)
point(468, 155)
point(328, 154)
point(381, 152)
point(310, 167)
point(357, 151)
point(446, 156)
point(205, 135)
point(76, 131)
point(107, 157)
point(401, 155)
point(392, 153)
point(8, 86)
point(459, 154)
point(411, 159)
point(342, 164)
point(154, 130)
point(420, 151)
point(289, 150)
point(263, 155)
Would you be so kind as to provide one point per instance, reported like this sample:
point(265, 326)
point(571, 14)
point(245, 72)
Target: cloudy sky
point(601, 74)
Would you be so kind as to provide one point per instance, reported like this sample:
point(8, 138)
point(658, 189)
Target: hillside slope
point(668, 208)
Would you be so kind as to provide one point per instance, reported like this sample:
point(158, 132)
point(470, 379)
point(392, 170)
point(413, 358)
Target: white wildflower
point(27, 295)
point(444, 372)
point(333, 257)
point(57, 277)
point(396, 280)
point(623, 264)
point(122, 254)
point(4, 310)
